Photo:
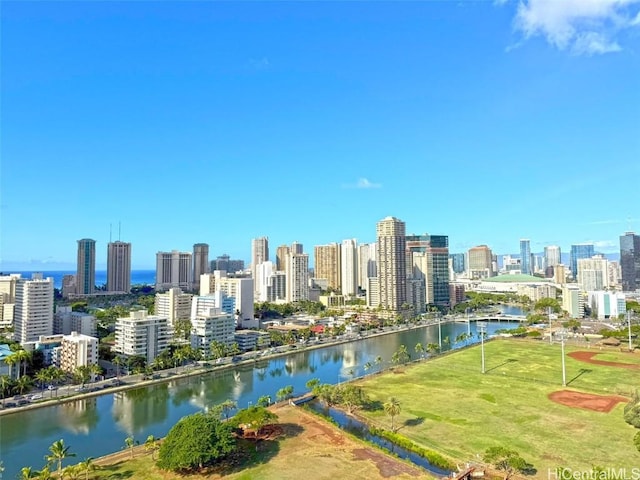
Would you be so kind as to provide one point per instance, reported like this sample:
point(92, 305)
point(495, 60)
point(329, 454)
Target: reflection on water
point(97, 426)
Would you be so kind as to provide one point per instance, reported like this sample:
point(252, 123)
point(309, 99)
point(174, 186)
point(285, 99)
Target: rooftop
point(517, 278)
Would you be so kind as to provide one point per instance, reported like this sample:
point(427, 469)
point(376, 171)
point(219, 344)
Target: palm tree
point(227, 406)
point(118, 362)
point(151, 445)
point(392, 408)
point(26, 473)
point(11, 360)
point(5, 385)
point(367, 366)
point(58, 453)
point(72, 472)
point(401, 355)
point(82, 374)
point(23, 384)
point(45, 474)
point(432, 348)
point(419, 349)
point(87, 466)
point(42, 376)
point(129, 443)
point(23, 359)
point(95, 370)
point(378, 362)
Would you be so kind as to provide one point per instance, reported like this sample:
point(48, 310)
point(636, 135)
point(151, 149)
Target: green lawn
point(450, 406)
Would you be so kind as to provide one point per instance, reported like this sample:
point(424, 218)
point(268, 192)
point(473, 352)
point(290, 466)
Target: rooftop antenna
point(110, 233)
point(119, 225)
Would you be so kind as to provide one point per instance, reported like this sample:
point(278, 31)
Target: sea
point(138, 277)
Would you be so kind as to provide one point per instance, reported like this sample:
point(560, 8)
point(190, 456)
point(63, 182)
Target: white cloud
point(583, 27)
point(362, 183)
point(259, 63)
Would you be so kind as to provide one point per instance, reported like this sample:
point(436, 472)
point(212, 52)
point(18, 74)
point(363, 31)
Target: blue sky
point(217, 122)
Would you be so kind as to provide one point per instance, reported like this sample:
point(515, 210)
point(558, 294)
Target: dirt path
point(587, 357)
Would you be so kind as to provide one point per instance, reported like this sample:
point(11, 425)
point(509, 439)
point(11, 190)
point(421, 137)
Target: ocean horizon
point(138, 277)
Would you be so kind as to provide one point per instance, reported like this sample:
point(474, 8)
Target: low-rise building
point(607, 305)
point(248, 340)
point(77, 350)
point(210, 325)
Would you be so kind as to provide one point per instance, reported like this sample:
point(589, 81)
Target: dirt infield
point(587, 401)
point(588, 358)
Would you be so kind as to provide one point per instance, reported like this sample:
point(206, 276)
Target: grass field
point(450, 406)
point(309, 445)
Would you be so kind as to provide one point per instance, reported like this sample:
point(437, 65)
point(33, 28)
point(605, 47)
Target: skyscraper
point(582, 250)
point(349, 267)
point(552, 256)
point(525, 257)
point(457, 260)
point(391, 263)
point(281, 257)
point(86, 273)
point(119, 267)
point(33, 311)
point(630, 261)
point(367, 264)
point(259, 254)
point(428, 258)
point(200, 262)
point(327, 264)
point(593, 273)
point(173, 269)
point(297, 280)
point(480, 262)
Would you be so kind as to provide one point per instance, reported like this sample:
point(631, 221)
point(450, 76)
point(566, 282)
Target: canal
point(97, 426)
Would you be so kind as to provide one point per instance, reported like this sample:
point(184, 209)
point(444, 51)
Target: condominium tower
point(391, 263)
point(327, 264)
point(259, 254)
point(630, 261)
point(33, 311)
point(86, 272)
point(200, 262)
point(582, 250)
point(173, 269)
point(526, 265)
point(119, 267)
point(349, 266)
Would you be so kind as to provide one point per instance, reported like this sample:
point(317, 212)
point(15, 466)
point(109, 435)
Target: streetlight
point(549, 320)
point(468, 322)
point(629, 326)
point(440, 334)
point(482, 329)
point(563, 334)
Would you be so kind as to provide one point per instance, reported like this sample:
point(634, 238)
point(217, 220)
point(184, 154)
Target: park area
point(303, 443)
point(449, 406)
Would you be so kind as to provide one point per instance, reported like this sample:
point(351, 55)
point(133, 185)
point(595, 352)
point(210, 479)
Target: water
point(99, 425)
point(360, 430)
point(138, 277)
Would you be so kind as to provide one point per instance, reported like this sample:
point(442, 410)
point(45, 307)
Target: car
point(10, 404)
point(36, 396)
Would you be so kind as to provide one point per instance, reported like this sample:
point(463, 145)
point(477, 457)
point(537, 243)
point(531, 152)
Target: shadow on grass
point(582, 372)
point(251, 453)
point(506, 362)
point(413, 422)
point(115, 475)
point(373, 406)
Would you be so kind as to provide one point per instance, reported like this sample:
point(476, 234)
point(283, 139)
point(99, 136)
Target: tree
point(226, 407)
point(118, 362)
point(58, 452)
point(5, 386)
point(264, 401)
point(195, 441)
point(23, 359)
point(509, 461)
point(82, 374)
point(313, 383)
point(254, 418)
point(632, 411)
point(284, 393)
point(26, 473)
point(87, 466)
point(351, 396)
point(151, 445)
point(401, 355)
point(636, 441)
point(367, 366)
point(42, 376)
point(45, 474)
point(432, 348)
point(23, 384)
point(419, 349)
point(129, 443)
point(392, 408)
point(72, 472)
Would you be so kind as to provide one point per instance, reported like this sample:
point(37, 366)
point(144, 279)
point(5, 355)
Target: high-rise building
point(480, 262)
point(349, 266)
point(297, 277)
point(457, 262)
point(242, 291)
point(66, 321)
point(86, 273)
point(593, 273)
point(8, 299)
point(175, 305)
point(259, 254)
point(573, 301)
point(281, 257)
point(630, 261)
point(77, 350)
point(200, 262)
point(525, 257)
point(582, 250)
point(119, 267)
point(142, 334)
point(392, 264)
point(366, 264)
point(297, 248)
point(327, 264)
point(33, 313)
point(428, 259)
point(173, 269)
point(552, 256)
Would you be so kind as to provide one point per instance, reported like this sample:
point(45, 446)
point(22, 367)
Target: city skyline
point(307, 116)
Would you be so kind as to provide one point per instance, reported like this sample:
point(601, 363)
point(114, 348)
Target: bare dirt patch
point(588, 358)
point(587, 401)
point(387, 466)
